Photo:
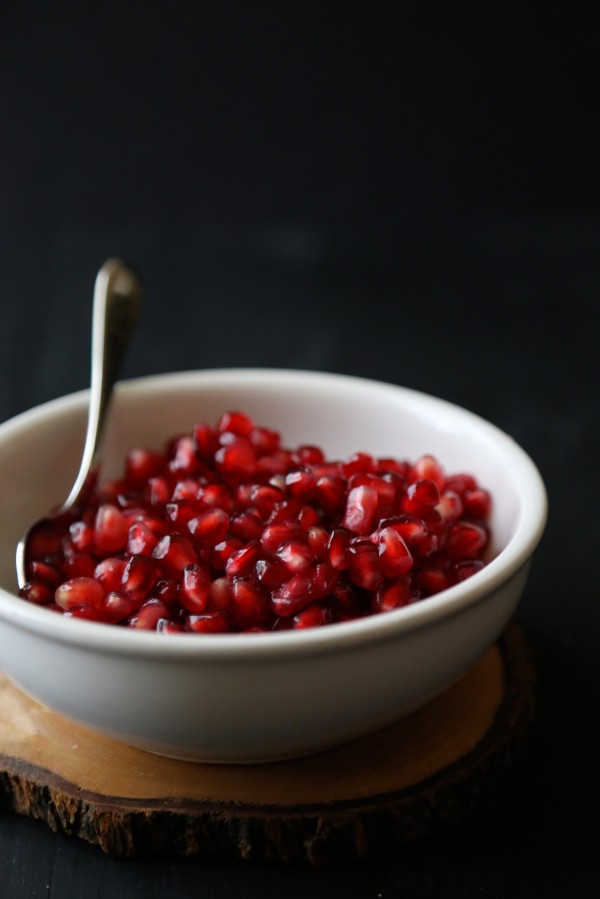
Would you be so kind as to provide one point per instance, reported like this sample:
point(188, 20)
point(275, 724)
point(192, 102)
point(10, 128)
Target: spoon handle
point(117, 300)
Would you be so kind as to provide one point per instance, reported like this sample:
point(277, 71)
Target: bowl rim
point(336, 637)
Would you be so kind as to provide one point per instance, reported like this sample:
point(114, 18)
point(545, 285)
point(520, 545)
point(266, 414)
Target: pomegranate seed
point(88, 613)
point(250, 605)
point(165, 626)
point(79, 565)
point(363, 564)
point(158, 492)
point(465, 540)
point(37, 592)
point(433, 580)
point(142, 464)
point(308, 455)
point(460, 483)
point(167, 590)
point(237, 460)
point(45, 572)
point(360, 510)
point(247, 526)
point(237, 422)
point(110, 529)
point(217, 622)
point(209, 527)
point(219, 595)
point(181, 513)
point(450, 506)
point(186, 489)
point(308, 517)
point(140, 541)
point(279, 463)
point(331, 494)
point(323, 581)
point(82, 537)
point(296, 555)
point(301, 484)
point(265, 498)
point(344, 596)
point(392, 594)
point(79, 591)
point(139, 576)
point(313, 616)
point(148, 615)
point(205, 441)
point(394, 555)
point(293, 596)
point(477, 503)
point(117, 606)
point(242, 561)
point(318, 540)
point(194, 589)
point(223, 551)
point(358, 463)
point(420, 496)
point(264, 441)
point(275, 535)
point(216, 496)
point(271, 573)
point(185, 462)
point(44, 540)
point(427, 467)
point(339, 541)
point(174, 552)
point(109, 572)
point(467, 568)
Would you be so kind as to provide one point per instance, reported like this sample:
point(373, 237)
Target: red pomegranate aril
point(236, 461)
point(79, 591)
point(250, 605)
point(79, 565)
point(477, 503)
point(289, 510)
point(139, 576)
point(460, 483)
point(166, 626)
point(279, 463)
point(360, 510)
point(174, 552)
point(215, 496)
point(185, 489)
point(45, 541)
point(38, 592)
point(209, 527)
point(167, 590)
point(110, 529)
point(184, 462)
point(324, 580)
point(45, 572)
point(428, 467)
point(181, 513)
point(223, 550)
point(148, 615)
point(386, 490)
point(400, 468)
point(217, 622)
point(116, 606)
point(296, 555)
point(109, 572)
point(450, 506)
point(307, 454)
point(432, 580)
point(467, 568)
point(264, 441)
point(265, 498)
point(331, 494)
point(194, 589)
point(358, 463)
point(344, 596)
point(219, 595)
point(271, 573)
point(247, 526)
point(392, 594)
point(301, 484)
point(293, 596)
point(238, 422)
point(464, 540)
point(339, 541)
point(313, 616)
point(142, 464)
point(420, 496)
point(82, 537)
point(205, 441)
point(363, 564)
point(275, 535)
point(141, 541)
point(157, 492)
point(394, 555)
point(308, 517)
point(242, 561)
point(318, 540)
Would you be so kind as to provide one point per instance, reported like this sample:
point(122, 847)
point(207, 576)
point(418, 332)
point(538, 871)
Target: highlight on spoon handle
point(117, 300)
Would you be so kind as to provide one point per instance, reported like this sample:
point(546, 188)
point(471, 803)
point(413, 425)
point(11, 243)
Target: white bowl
point(247, 698)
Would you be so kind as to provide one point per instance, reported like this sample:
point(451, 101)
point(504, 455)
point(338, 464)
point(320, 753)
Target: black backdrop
point(410, 194)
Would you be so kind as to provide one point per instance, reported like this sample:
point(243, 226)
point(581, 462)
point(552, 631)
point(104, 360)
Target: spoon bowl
point(117, 298)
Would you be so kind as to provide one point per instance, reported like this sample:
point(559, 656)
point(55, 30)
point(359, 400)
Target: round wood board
point(403, 782)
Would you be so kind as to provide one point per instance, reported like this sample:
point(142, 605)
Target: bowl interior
point(40, 450)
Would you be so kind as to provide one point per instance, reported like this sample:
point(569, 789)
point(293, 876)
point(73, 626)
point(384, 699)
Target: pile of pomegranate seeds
point(229, 531)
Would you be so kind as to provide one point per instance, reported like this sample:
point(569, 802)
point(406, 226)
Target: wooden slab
point(403, 782)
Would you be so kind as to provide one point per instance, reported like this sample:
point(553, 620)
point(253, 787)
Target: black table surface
point(416, 203)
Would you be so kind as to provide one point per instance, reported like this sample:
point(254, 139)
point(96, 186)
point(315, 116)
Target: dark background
point(410, 194)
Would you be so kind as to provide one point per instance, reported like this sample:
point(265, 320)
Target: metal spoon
point(117, 299)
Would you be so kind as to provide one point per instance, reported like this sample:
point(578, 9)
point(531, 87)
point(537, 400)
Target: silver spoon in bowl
point(117, 300)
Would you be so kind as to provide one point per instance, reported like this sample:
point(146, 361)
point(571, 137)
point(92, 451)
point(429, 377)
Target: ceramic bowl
point(262, 696)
